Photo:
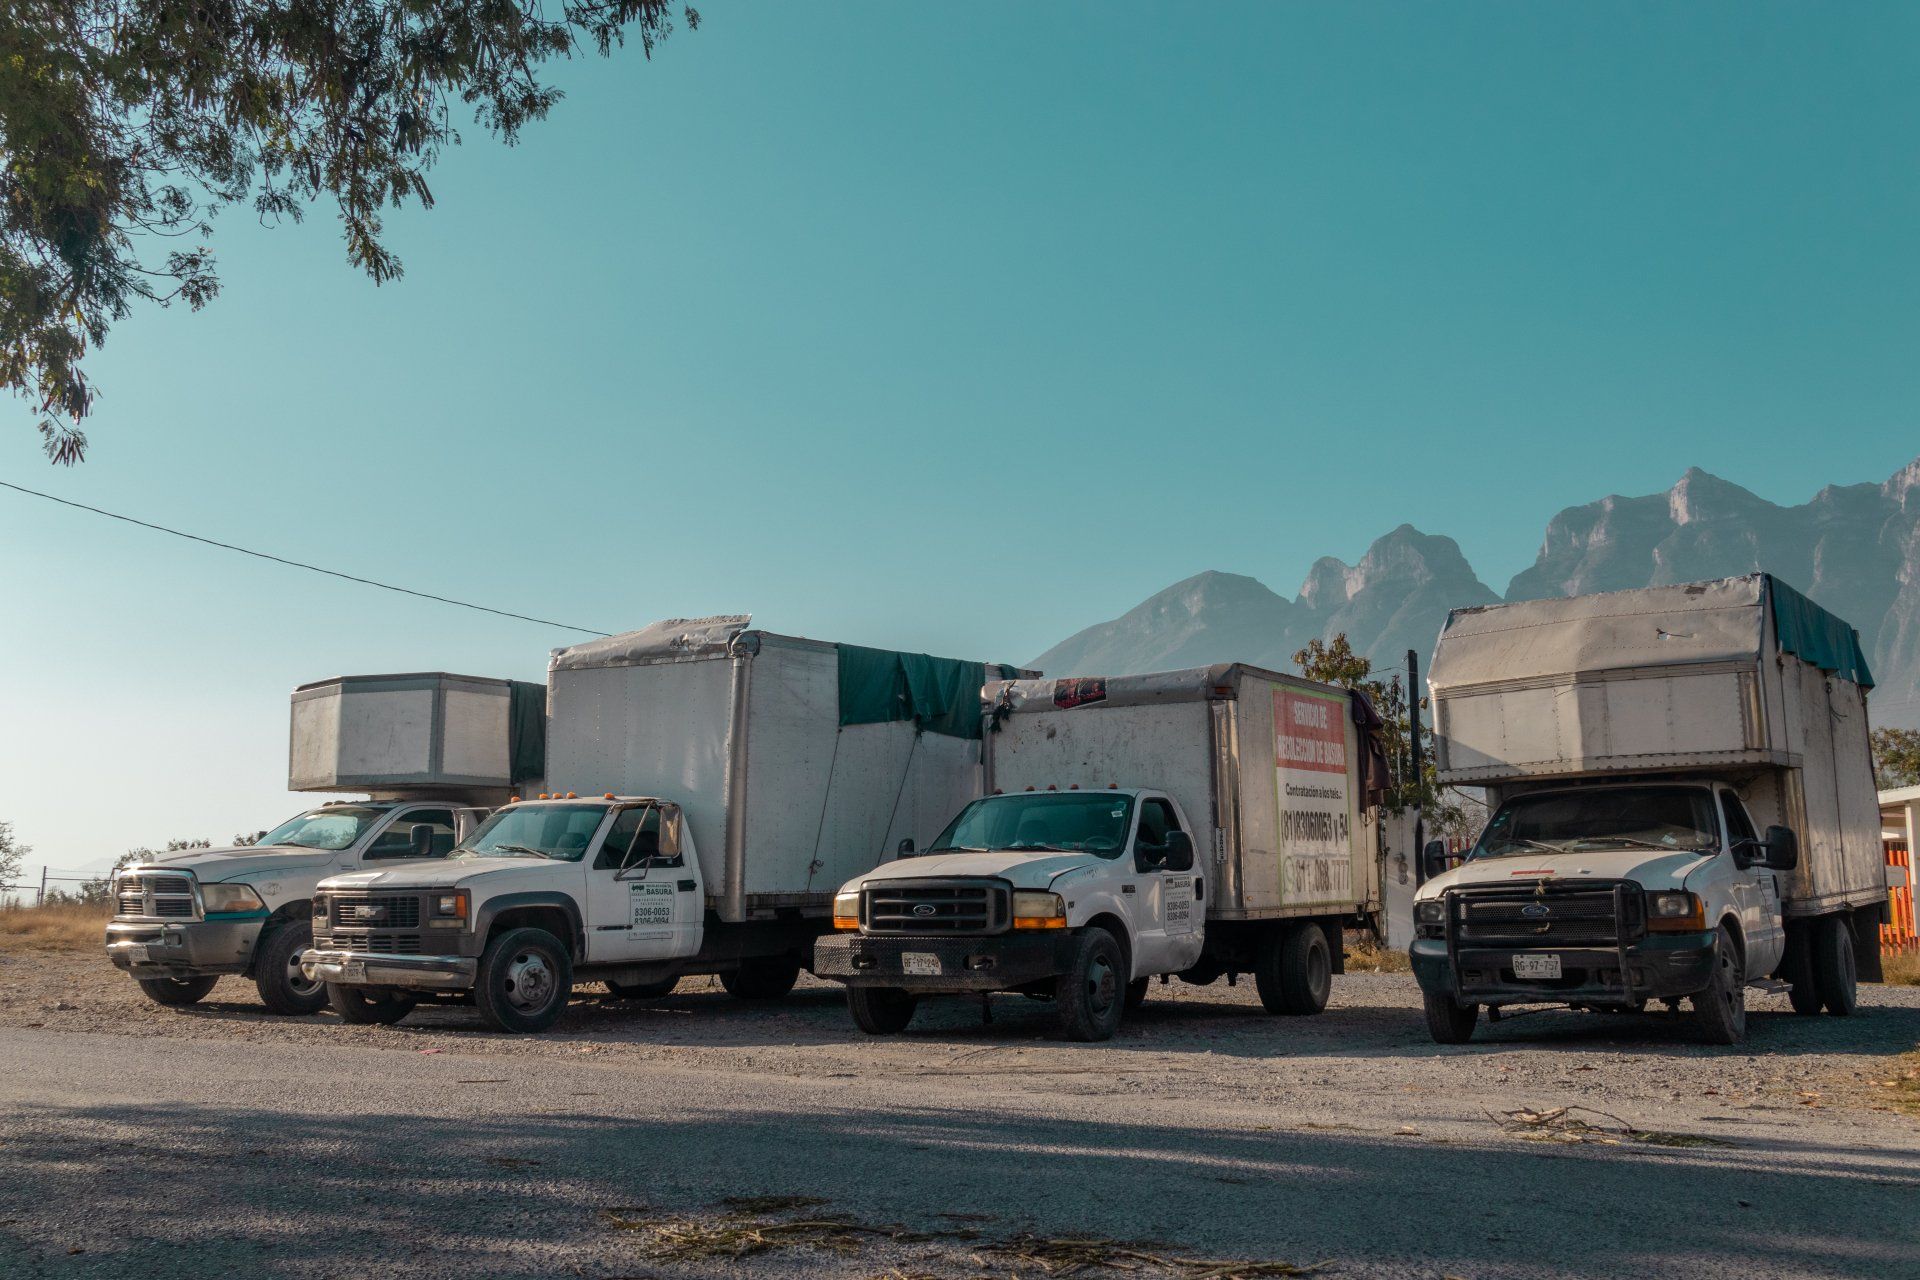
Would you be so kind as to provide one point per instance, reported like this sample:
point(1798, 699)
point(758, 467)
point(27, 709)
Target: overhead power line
point(296, 564)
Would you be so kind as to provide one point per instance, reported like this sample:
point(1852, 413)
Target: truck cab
point(1077, 895)
point(545, 893)
point(183, 920)
point(1606, 897)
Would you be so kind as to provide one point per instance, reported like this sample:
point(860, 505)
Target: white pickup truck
point(183, 920)
point(1683, 807)
point(1200, 823)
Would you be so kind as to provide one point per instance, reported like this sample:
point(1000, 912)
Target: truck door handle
point(688, 886)
point(1126, 888)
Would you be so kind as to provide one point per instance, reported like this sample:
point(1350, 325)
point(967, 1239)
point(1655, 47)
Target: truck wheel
point(369, 1006)
point(1834, 975)
point(1137, 993)
point(176, 991)
point(1796, 968)
point(1091, 995)
point(276, 971)
point(881, 1011)
point(1720, 1011)
point(1294, 971)
point(1449, 1021)
point(524, 981)
point(767, 978)
point(644, 990)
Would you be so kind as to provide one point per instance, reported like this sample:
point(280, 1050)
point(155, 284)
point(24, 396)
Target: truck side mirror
point(1179, 852)
point(420, 838)
point(906, 848)
point(1782, 848)
point(1433, 858)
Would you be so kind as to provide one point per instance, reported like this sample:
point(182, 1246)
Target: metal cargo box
point(414, 730)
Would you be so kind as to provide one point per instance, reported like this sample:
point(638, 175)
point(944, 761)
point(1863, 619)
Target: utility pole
point(40, 899)
point(1413, 723)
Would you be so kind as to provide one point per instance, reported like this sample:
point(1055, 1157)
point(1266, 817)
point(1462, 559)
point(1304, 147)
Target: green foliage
point(95, 892)
point(1443, 809)
point(12, 854)
point(1896, 758)
point(125, 125)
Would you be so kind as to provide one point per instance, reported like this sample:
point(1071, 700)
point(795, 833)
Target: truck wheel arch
point(540, 909)
point(1114, 925)
point(298, 909)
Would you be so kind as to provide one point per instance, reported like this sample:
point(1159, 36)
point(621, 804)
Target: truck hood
point(1644, 867)
point(435, 873)
point(1024, 869)
point(213, 866)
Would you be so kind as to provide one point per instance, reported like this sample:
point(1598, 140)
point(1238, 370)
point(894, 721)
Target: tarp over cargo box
point(422, 729)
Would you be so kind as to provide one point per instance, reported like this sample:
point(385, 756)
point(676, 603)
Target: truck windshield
point(1677, 818)
point(1086, 821)
point(335, 827)
point(560, 831)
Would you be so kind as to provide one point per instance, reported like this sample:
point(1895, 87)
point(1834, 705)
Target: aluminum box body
point(415, 733)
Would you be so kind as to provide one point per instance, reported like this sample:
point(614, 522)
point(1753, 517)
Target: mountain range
point(1853, 548)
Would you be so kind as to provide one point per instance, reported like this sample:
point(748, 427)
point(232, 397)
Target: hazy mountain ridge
point(1854, 548)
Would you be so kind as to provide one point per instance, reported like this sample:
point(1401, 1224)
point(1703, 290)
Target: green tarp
point(939, 695)
point(527, 730)
point(1804, 628)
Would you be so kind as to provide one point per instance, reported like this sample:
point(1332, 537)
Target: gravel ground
point(213, 1139)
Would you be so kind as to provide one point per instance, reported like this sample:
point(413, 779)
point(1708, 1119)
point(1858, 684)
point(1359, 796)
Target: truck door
point(643, 903)
point(1162, 911)
point(1758, 893)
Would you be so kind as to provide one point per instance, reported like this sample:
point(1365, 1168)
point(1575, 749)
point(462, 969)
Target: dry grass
point(64, 927)
point(1902, 967)
point(1366, 955)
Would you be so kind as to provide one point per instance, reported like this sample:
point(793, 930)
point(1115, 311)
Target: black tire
point(881, 1011)
point(1835, 975)
point(644, 990)
point(766, 978)
point(1294, 970)
point(1720, 1011)
point(524, 982)
point(176, 991)
point(1449, 1021)
point(1090, 997)
point(369, 1006)
point(1137, 993)
point(277, 977)
point(1796, 970)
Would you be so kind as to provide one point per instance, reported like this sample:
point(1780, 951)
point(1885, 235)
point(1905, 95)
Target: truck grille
point(391, 944)
point(155, 897)
point(1583, 915)
point(935, 907)
point(387, 923)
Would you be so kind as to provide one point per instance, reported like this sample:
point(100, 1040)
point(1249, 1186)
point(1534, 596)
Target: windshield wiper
point(958, 848)
point(1038, 848)
point(1644, 844)
point(1535, 845)
point(519, 848)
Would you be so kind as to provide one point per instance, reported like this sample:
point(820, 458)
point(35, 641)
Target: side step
point(1772, 986)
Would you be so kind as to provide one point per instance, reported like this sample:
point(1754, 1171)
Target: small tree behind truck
point(1682, 806)
point(1205, 823)
point(720, 783)
point(435, 753)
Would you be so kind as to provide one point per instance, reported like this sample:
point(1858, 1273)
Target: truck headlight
point(846, 910)
point(230, 897)
point(1036, 910)
point(1432, 911)
point(450, 909)
point(1676, 912)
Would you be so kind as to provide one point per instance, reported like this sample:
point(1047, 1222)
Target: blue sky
point(959, 328)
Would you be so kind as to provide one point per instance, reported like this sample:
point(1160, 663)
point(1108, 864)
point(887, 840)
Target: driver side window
point(397, 840)
point(634, 840)
point(1156, 820)
point(1739, 826)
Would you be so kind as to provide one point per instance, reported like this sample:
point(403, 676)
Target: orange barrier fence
point(1899, 933)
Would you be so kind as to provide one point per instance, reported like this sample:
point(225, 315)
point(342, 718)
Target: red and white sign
point(1311, 786)
point(1309, 732)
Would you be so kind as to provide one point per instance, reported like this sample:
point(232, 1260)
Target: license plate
point(356, 970)
point(137, 955)
point(1536, 966)
point(921, 964)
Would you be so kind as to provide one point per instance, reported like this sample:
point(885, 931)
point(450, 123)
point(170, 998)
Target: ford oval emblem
point(925, 909)
point(1536, 910)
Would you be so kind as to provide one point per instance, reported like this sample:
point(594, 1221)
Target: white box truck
point(434, 752)
point(708, 787)
point(1206, 823)
point(1682, 803)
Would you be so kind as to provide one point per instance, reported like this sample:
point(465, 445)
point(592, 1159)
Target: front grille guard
point(1621, 934)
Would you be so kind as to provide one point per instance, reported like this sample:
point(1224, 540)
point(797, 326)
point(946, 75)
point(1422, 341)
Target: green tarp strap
point(527, 730)
point(1804, 628)
point(939, 695)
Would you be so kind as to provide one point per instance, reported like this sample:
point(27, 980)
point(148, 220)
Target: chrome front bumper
point(182, 948)
point(374, 969)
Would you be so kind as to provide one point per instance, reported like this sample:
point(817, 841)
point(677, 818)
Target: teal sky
point(957, 329)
